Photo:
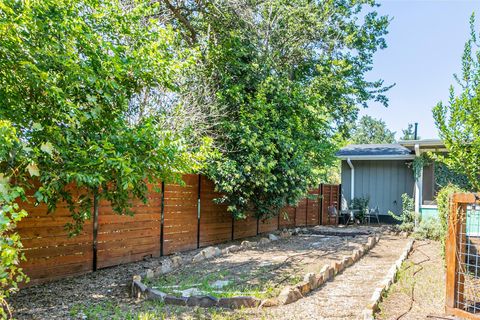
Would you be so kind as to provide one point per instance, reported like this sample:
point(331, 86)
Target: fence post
point(295, 217)
point(339, 197)
point(198, 209)
point(319, 205)
point(233, 227)
point(320, 219)
point(95, 230)
point(162, 217)
point(258, 224)
point(451, 248)
point(306, 211)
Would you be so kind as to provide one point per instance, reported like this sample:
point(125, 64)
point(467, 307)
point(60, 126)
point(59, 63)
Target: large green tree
point(74, 77)
point(458, 120)
point(371, 130)
point(285, 78)
point(409, 133)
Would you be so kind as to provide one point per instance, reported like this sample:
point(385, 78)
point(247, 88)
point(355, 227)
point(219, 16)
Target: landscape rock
point(374, 300)
point(264, 241)
point(347, 262)
point(233, 248)
point(272, 302)
point(198, 257)
point(296, 231)
point(272, 237)
point(149, 274)
point(289, 295)
point(285, 234)
point(191, 292)
point(202, 301)
point(177, 261)
point(138, 289)
point(356, 254)
point(137, 277)
point(370, 242)
point(154, 294)
point(248, 244)
point(327, 272)
point(319, 280)
point(312, 279)
point(178, 301)
point(219, 284)
point(337, 266)
point(368, 314)
point(238, 302)
point(165, 267)
point(210, 252)
point(304, 287)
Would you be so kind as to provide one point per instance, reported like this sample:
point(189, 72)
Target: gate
point(463, 257)
point(331, 197)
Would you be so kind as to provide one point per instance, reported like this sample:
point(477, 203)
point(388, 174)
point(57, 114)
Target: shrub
point(408, 215)
point(361, 204)
point(12, 161)
point(443, 203)
point(429, 228)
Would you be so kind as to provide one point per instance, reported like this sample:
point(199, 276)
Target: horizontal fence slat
point(52, 254)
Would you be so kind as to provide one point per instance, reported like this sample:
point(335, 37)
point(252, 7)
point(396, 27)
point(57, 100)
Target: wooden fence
point(178, 218)
point(462, 257)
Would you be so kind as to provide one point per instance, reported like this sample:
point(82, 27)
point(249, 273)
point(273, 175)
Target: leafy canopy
point(458, 120)
point(409, 133)
point(370, 130)
point(287, 77)
point(69, 71)
point(10, 213)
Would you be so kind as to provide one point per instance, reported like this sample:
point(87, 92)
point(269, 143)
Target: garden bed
point(261, 271)
point(267, 273)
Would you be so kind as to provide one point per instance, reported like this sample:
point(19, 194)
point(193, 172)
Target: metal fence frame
point(457, 256)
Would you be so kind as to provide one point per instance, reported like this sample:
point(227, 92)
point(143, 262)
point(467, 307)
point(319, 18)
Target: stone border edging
point(289, 294)
point(313, 281)
point(372, 307)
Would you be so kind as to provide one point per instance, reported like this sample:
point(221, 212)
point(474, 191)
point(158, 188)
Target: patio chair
point(373, 213)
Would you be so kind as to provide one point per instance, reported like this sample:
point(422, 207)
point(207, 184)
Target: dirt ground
point(349, 293)
point(263, 271)
point(419, 292)
point(104, 294)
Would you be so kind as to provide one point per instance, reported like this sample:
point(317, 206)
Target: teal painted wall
point(428, 212)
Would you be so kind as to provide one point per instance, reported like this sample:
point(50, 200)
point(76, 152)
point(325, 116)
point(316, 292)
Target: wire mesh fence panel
point(463, 257)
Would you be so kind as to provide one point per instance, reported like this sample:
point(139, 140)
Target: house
point(383, 172)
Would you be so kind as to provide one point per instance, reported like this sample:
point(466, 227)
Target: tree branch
point(176, 12)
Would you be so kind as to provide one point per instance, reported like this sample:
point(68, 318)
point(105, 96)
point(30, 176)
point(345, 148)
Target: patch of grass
point(152, 310)
point(256, 283)
point(108, 310)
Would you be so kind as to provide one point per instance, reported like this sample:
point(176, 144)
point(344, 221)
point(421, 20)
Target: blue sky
point(425, 44)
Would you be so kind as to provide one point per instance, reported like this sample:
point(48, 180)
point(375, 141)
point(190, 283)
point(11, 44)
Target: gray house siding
point(382, 181)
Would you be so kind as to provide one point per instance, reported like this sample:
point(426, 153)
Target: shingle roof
point(374, 150)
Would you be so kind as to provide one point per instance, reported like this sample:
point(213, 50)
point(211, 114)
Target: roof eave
point(377, 157)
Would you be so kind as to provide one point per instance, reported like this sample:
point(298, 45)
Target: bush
point(430, 228)
point(361, 204)
point(12, 161)
point(443, 203)
point(408, 215)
